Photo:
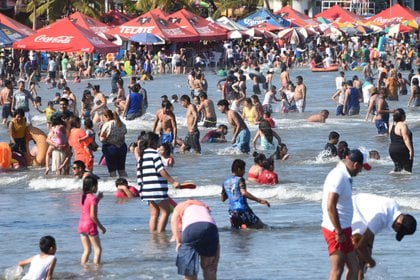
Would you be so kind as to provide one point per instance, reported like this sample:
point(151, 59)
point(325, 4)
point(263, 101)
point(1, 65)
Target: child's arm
point(94, 217)
point(84, 137)
point(25, 262)
point(248, 195)
point(168, 177)
point(51, 269)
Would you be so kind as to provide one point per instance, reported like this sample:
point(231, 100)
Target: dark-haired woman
point(267, 135)
point(401, 148)
point(112, 136)
point(415, 93)
point(153, 181)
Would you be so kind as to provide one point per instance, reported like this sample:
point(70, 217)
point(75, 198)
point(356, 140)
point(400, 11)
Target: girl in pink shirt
point(89, 222)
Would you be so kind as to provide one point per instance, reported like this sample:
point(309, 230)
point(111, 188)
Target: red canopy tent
point(157, 23)
point(65, 36)
point(336, 13)
point(89, 23)
point(192, 22)
point(394, 15)
point(295, 17)
point(115, 18)
point(15, 25)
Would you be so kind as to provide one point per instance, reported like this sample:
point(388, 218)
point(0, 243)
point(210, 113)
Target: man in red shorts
point(337, 214)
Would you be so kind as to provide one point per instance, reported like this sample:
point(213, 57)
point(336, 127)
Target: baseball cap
point(357, 156)
point(408, 226)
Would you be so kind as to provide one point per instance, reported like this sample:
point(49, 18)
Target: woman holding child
point(112, 136)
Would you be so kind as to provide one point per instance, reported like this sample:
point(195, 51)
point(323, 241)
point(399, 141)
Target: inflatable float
point(40, 139)
point(5, 156)
point(325, 69)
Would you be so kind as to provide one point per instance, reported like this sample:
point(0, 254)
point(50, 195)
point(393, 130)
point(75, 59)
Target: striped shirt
point(152, 185)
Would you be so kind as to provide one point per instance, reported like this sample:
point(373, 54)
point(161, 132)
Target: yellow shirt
point(19, 129)
point(49, 112)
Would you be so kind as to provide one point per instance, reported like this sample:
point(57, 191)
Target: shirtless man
point(241, 136)
point(300, 95)
point(165, 124)
point(207, 105)
point(192, 140)
point(284, 77)
point(6, 100)
point(321, 117)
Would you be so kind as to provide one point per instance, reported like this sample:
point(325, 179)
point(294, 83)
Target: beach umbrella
point(147, 39)
point(307, 31)
point(235, 35)
point(291, 36)
point(395, 29)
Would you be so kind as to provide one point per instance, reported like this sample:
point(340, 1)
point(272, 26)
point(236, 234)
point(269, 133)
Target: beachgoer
point(414, 99)
point(58, 149)
point(321, 117)
point(196, 235)
point(20, 100)
point(124, 190)
point(86, 105)
point(99, 103)
point(299, 96)
point(330, 149)
point(42, 265)
point(268, 176)
point(216, 135)
point(17, 129)
point(371, 110)
point(240, 132)
point(134, 106)
point(80, 141)
point(249, 112)
point(153, 181)
point(382, 112)
point(337, 213)
point(234, 189)
point(165, 151)
point(207, 105)
point(401, 148)
point(89, 221)
point(79, 170)
point(6, 96)
point(192, 140)
point(266, 135)
point(373, 214)
point(351, 100)
point(256, 169)
point(270, 99)
point(114, 148)
point(165, 124)
point(343, 149)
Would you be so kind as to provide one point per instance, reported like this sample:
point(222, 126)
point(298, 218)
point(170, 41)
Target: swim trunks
point(242, 141)
point(201, 238)
point(166, 138)
point(345, 247)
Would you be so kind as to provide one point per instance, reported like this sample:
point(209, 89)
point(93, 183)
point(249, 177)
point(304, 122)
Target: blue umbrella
point(147, 39)
point(4, 39)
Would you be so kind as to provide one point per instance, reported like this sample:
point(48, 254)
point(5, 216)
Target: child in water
point(165, 155)
point(42, 264)
point(234, 189)
point(124, 190)
point(89, 221)
point(255, 170)
point(57, 140)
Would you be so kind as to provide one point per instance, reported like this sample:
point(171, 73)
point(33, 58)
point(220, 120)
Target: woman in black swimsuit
point(401, 147)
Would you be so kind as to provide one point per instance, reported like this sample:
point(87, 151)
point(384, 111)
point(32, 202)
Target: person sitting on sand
point(321, 117)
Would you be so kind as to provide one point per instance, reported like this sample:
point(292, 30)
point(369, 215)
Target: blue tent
point(264, 15)
point(4, 39)
point(13, 35)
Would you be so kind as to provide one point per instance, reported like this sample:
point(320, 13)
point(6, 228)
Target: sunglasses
point(75, 167)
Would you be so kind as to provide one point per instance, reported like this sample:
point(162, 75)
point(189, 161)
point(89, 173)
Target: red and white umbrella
point(291, 36)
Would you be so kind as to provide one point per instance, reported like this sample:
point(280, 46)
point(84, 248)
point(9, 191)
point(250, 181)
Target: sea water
point(33, 205)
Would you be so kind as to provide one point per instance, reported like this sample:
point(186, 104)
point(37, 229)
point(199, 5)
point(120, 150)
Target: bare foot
point(47, 169)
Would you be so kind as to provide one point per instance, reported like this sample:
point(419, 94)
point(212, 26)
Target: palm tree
point(165, 5)
point(250, 5)
point(56, 9)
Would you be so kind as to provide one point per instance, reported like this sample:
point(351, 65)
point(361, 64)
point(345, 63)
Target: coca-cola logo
point(58, 40)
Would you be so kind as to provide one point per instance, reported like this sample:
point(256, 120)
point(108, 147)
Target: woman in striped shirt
point(153, 182)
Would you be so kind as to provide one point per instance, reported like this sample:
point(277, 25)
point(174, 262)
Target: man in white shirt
point(337, 214)
point(373, 214)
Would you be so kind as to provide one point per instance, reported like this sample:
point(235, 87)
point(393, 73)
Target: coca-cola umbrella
point(65, 36)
